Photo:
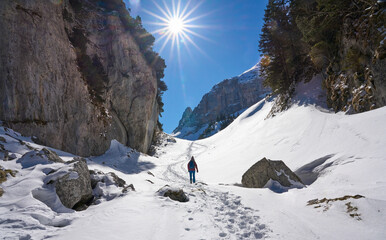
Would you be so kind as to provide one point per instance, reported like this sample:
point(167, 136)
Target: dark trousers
point(192, 175)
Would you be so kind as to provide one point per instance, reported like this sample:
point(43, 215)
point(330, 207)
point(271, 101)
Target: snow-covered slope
point(298, 136)
point(346, 155)
point(343, 155)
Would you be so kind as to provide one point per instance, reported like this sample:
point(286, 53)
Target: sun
point(176, 24)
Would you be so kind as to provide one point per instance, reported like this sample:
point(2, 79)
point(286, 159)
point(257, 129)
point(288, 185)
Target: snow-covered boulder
point(107, 186)
point(72, 184)
point(34, 157)
point(271, 174)
point(173, 193)
point(51, 155)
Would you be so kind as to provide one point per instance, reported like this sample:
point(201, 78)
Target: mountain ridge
point(223, 102)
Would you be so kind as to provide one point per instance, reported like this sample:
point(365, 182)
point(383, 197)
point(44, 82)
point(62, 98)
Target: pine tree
point(321, 22)
point(284, 53)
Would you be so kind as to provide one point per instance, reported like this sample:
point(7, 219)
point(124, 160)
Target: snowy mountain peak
point(253, 69)
point(249, 75)
point(219, 106)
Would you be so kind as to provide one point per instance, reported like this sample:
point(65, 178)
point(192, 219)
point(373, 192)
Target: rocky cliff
point(221, 104)
point(356, 82)
point(74, 76)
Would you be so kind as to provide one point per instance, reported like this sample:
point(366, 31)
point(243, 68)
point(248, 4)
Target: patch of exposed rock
point(327, 203)
point(4, 173)
point(160, 142)
point(272, 174)
point(173, 193)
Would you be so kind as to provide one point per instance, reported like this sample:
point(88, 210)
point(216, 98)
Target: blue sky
point(228, 46)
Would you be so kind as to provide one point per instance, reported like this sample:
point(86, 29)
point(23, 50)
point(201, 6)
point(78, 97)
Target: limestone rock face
point(265, 171)
point(74, 188)
point(74, 77)
point(226, 98)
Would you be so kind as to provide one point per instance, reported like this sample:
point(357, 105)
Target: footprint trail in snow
point(229, 217)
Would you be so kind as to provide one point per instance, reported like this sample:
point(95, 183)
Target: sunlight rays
point(176, 24)
point(177, 32)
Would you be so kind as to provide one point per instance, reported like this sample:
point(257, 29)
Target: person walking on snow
point(192, 166)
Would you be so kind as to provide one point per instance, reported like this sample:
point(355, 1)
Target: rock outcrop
point(269, 173)
point(160, 142)
point(356, 83)
point(73, 75)
point(226, 99)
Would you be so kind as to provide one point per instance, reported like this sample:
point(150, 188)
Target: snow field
point(343, 154)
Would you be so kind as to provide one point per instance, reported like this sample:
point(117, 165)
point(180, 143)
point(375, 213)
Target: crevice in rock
point(120, 124)
point(29, 12)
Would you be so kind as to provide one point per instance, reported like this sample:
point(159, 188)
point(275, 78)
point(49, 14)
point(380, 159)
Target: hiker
point(192, 166)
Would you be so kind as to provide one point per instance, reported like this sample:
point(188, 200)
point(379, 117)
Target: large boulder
point(272, 174)
point(73, 184)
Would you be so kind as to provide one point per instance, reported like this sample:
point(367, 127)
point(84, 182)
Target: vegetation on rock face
point(145, 42)
point(143, 39)
point(91, 68)
point(285, 56)
point(3, 176)
point(342, 40)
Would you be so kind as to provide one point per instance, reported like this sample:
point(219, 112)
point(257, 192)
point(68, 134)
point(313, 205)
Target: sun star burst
point(176, 24)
